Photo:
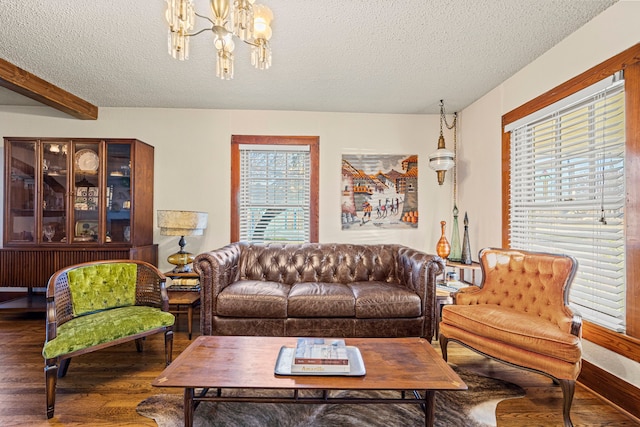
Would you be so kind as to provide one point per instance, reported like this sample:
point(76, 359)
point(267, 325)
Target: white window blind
point(567, 194)
point(274, 198)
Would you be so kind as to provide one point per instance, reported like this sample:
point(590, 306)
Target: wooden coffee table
point(220, 362)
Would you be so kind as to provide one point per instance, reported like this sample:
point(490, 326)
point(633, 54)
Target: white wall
point(192, 160)
point(610, 33)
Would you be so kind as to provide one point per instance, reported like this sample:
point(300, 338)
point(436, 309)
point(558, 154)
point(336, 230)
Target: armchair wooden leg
point(50, 374)
point(443, 346)
point(64, 367)
point(568, 388)
point(168, 345)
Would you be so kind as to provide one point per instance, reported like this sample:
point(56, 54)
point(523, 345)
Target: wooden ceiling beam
point(23, 82)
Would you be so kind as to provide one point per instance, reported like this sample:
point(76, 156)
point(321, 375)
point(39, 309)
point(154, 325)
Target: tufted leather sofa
point(520, 315)
point(317, 289)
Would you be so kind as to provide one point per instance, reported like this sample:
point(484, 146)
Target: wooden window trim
point(627, 344)
point(314, 146)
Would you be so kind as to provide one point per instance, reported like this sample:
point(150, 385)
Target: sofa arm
point(217, 269)
point(418, 271)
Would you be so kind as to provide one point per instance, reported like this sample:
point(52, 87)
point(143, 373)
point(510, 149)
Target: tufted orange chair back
point(535, 283)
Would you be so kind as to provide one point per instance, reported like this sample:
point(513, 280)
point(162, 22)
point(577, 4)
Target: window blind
point(567, 194)
point(274, 197)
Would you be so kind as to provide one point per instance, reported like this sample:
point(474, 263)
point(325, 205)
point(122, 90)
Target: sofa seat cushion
point(515, 329)
point(378, 300)
point(319, 299)
point(105, 326)
point(253, 298)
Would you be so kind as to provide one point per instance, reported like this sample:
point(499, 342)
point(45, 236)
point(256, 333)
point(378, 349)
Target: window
point(568, 193)
point(628, 343)
point(274, 189)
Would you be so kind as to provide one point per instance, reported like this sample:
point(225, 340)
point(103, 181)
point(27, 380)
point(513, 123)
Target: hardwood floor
point(104, 387)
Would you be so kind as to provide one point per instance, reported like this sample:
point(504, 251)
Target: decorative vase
point(443, 248)
point(466, 247)
point(456, 252)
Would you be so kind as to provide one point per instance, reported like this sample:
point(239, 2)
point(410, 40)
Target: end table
point(443, 297)
point(188, 296)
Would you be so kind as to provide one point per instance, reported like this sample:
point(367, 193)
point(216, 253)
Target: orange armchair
point(520, 316)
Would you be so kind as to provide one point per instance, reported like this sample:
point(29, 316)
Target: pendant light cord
point(443, 118)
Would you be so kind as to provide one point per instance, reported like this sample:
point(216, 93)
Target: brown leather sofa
point(318, 289)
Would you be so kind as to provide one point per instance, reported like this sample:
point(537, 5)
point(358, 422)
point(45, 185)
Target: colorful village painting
point(379, 191)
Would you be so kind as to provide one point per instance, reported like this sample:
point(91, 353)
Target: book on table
point(320, 355)
point(452, 285)
point(184, 284)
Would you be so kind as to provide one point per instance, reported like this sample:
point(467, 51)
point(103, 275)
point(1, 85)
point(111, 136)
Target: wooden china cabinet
point(74, 200)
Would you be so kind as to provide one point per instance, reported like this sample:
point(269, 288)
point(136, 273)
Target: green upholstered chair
point(95, 305)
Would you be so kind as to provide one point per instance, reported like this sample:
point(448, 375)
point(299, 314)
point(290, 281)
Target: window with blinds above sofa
point(274, 189)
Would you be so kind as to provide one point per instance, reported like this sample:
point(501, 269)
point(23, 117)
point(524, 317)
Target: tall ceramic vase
point(443, 248)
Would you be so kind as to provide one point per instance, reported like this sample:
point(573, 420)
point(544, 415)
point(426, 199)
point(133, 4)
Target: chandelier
point(442, 159)
point(249, 22)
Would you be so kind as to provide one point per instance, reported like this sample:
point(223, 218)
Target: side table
point(446, 289)
point(463, 268)
point(443, 297)
point(184, 295)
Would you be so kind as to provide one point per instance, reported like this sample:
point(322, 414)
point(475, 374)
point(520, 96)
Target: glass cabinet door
point(54, 192)
point(63, 194)
point(21, 219)
point(118, 212)
point(85, 194)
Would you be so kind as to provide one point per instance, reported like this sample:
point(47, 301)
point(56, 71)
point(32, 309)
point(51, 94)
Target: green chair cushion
point(105, 326)
point(102, 286)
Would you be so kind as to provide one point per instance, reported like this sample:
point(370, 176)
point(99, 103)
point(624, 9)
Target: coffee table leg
point(188, 407)
point(430, 404)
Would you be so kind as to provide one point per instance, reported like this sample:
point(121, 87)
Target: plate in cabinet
point(87, 160)
point(86, 228)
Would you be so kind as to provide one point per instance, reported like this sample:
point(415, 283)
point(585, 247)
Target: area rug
point(474, 407)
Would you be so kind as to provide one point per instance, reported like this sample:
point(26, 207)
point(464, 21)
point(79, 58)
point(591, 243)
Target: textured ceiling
point(378, 56)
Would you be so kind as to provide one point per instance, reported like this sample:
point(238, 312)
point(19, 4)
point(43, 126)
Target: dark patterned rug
point(474, 407)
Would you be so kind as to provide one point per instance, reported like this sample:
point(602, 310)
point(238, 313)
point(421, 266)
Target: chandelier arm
point(204, 17)
point(199, 32)
point(249, 42)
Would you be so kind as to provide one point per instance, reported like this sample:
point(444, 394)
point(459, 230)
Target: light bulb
point(222, 37)
point(262, 11)
point(261, 30)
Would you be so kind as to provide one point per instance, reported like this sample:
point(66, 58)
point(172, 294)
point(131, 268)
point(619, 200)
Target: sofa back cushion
point(102, 286)
point(316, 262)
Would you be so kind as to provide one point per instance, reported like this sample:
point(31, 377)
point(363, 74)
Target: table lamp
point(181, 223)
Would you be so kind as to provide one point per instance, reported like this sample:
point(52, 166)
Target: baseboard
point(608, 386)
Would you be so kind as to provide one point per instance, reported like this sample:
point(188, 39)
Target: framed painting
point(379, 191)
